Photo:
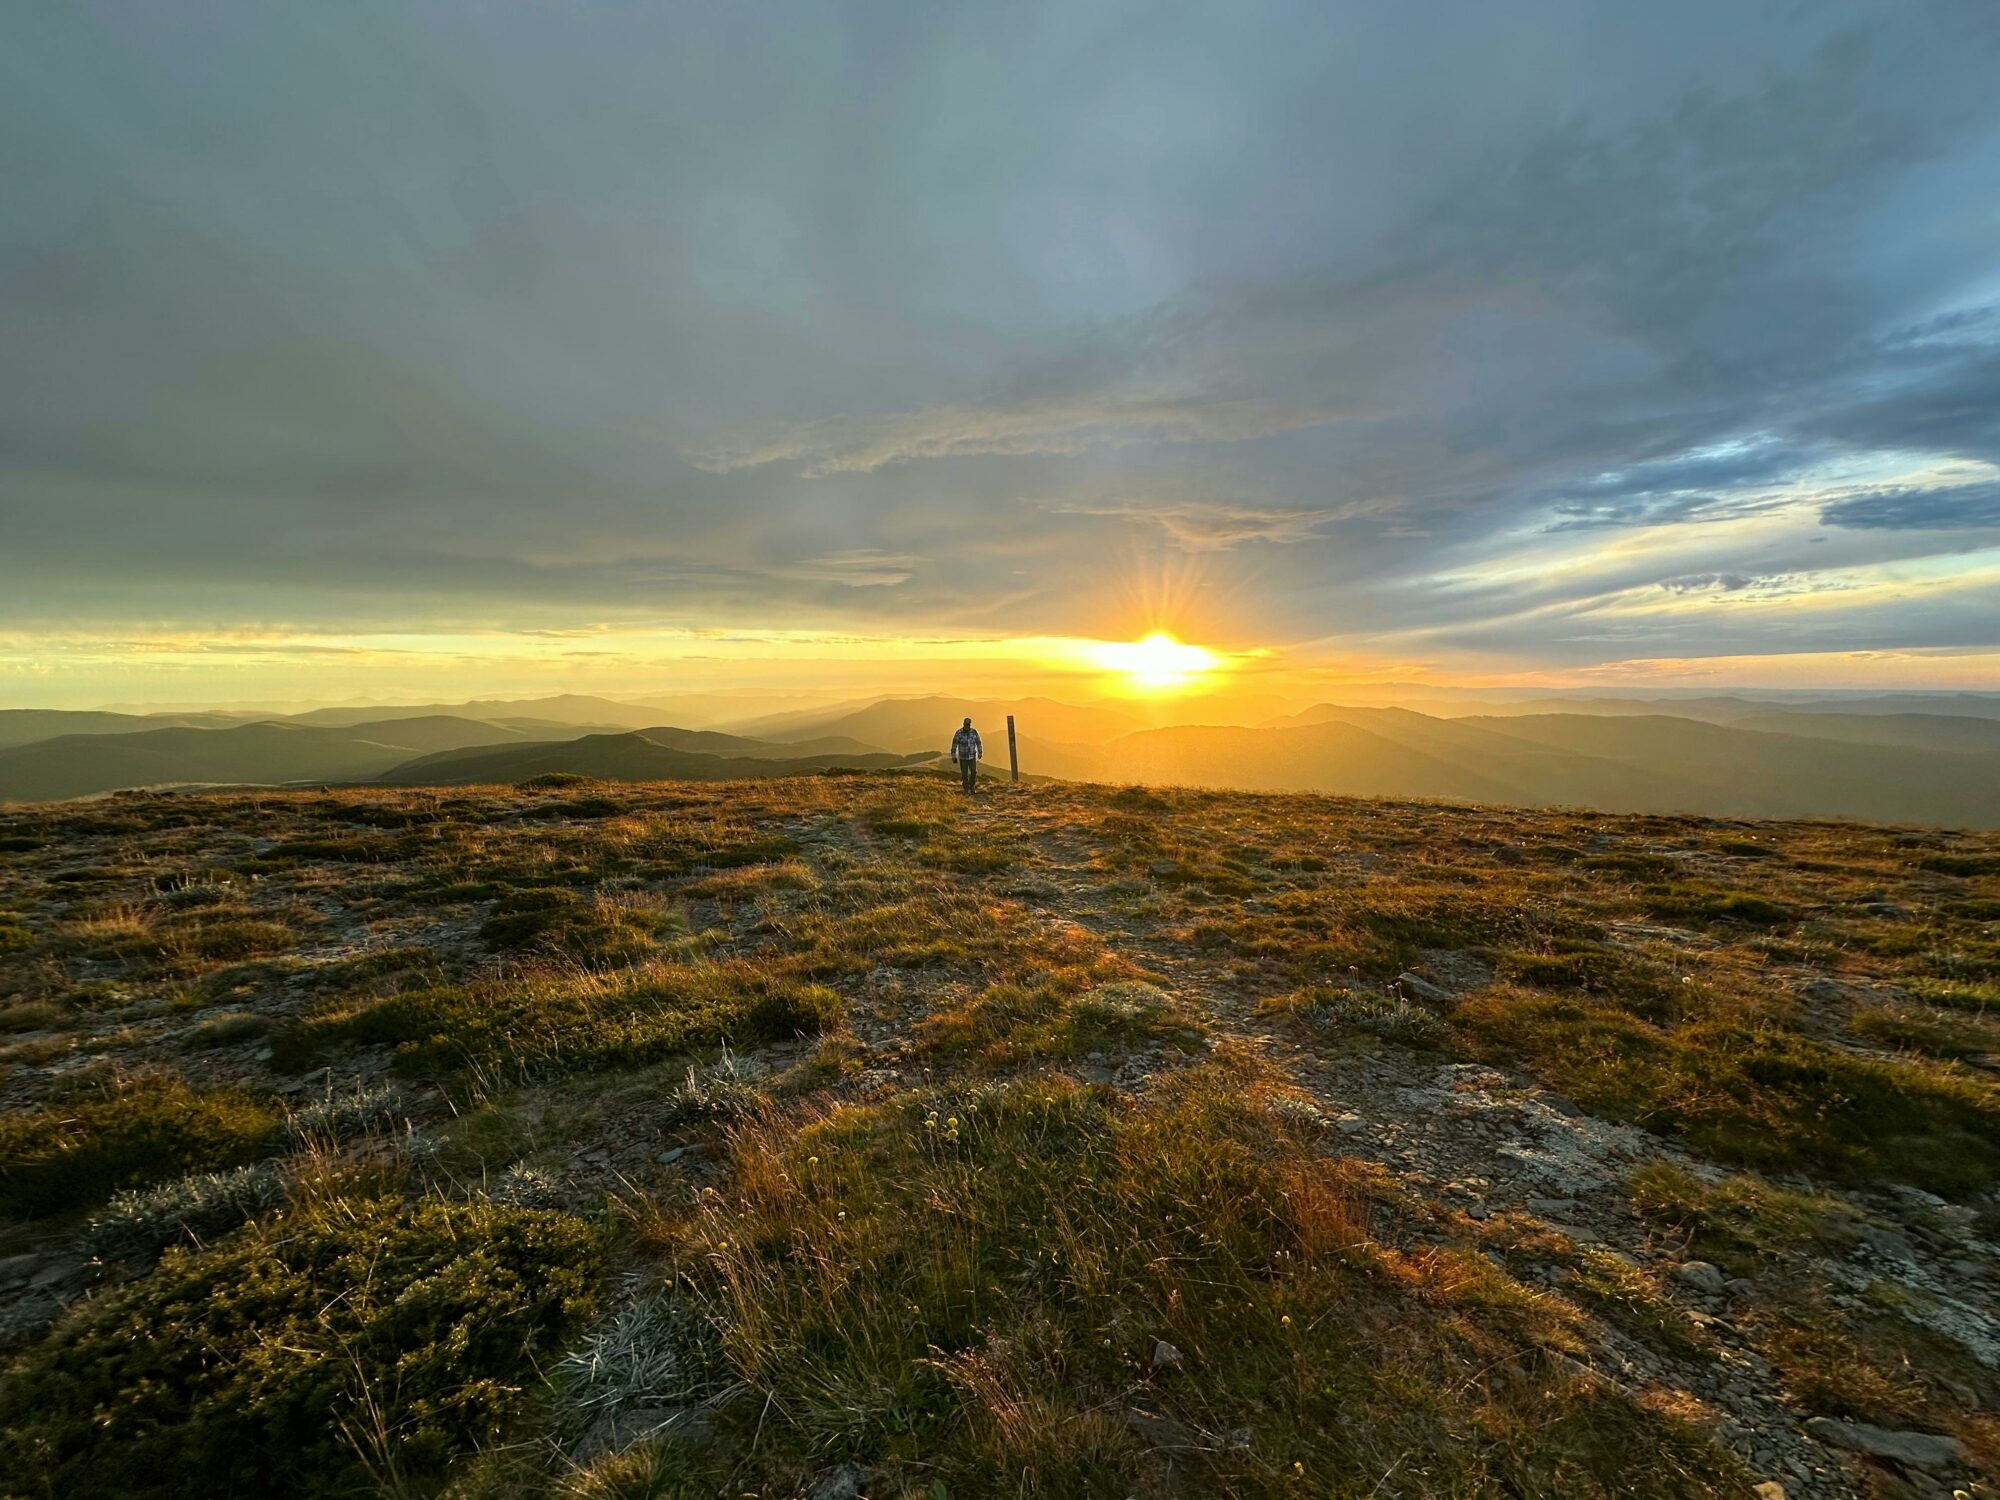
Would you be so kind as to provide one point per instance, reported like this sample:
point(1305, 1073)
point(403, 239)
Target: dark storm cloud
point(902, 316)
point(1964, 507)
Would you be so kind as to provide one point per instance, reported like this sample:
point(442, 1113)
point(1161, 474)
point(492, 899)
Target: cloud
point(1486, 323)
point(1217, 526)
point(1051, 428)
point(859, 567)
point(1961, 507)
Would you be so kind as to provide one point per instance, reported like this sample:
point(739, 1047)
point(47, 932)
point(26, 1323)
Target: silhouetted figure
point(967, 751)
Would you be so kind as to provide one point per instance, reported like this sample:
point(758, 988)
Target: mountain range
point(1934, 760)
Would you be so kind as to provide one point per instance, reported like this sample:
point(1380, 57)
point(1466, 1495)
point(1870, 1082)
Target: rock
point(843, 1483)
point(1918, 1450)
point(1162, 1433)
point(27, 1318)
point(1415, 987)
point(1582, 1234)
point(1770, 1489)
point(1702, 1276)
point(615, 1431)
point(1580, 1372)
point(1556, 1206)
point(1166, 1356)
point(18, 1270)
point(1886, 1243)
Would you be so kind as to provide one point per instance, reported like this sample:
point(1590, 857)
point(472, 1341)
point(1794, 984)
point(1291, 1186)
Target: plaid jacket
point(965, 745)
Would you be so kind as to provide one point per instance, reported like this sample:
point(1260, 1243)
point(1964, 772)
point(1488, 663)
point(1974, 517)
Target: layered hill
point(75, 765)
point(1631, 763)
point(651, 755)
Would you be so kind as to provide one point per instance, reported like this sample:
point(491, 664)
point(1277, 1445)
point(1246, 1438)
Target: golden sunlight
point(1157, 663)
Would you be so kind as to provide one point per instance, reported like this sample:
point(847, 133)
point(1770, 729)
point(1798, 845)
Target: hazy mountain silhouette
point(927, 723)
point(1961, 732)
point(76, 765)
point(622, 757)
point(565, 708)
point(24, 726)
point(1722, 755)
point(1639, 763)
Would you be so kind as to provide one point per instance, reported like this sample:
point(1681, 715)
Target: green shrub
point(1941, 1033)
point(14, 936)
point(136, 1132)
point(1697, 903)
point(360, 848)
point(1010, 1024)
point(1961, 864)
point(317, 1356)
point(1377, 1013)
point(228, 1030)
point(588, 1021)
point(561, 924)
point(550, 781)
point(31, 1015)
point(1956, 996)
point(1741, 1222)
point(1758, 1095)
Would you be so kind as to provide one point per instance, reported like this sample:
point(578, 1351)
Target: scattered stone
point(843, 1483)
point(27, 1319)
point(1547, 1206)
point(19, 1270)
point(1770, 1489)
point(1163, 1434)
point(615, 1431)
point(1166, 1356)
point(1918, 1450)
point(1577, 1370)
point(1582, 1234)
point(1886, 1243)
point(1702, 1276)
point(1415, 987)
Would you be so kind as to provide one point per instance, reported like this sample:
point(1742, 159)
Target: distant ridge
point(621, 757)
point(77, 765)
point(1637, 763)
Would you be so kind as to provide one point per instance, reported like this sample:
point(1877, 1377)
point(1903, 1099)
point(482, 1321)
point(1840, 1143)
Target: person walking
point(967, 751)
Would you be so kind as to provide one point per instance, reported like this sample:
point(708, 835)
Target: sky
point(379, 349)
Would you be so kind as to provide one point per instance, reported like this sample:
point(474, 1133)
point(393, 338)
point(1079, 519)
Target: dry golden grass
point(929, 1123)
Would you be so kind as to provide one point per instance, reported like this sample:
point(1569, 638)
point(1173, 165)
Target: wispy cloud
point(1217, 526)
point(858, 567)
point(1959, 507)
point(1054, 427)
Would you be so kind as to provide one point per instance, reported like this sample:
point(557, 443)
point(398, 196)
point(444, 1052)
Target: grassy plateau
point(837, 1136)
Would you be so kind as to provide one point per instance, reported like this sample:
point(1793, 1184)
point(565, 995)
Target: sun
point(1157, 663)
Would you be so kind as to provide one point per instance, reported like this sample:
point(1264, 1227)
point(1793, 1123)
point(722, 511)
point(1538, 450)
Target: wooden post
point(1013, 752)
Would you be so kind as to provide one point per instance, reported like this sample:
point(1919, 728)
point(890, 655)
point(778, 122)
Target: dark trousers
point(968, 774)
